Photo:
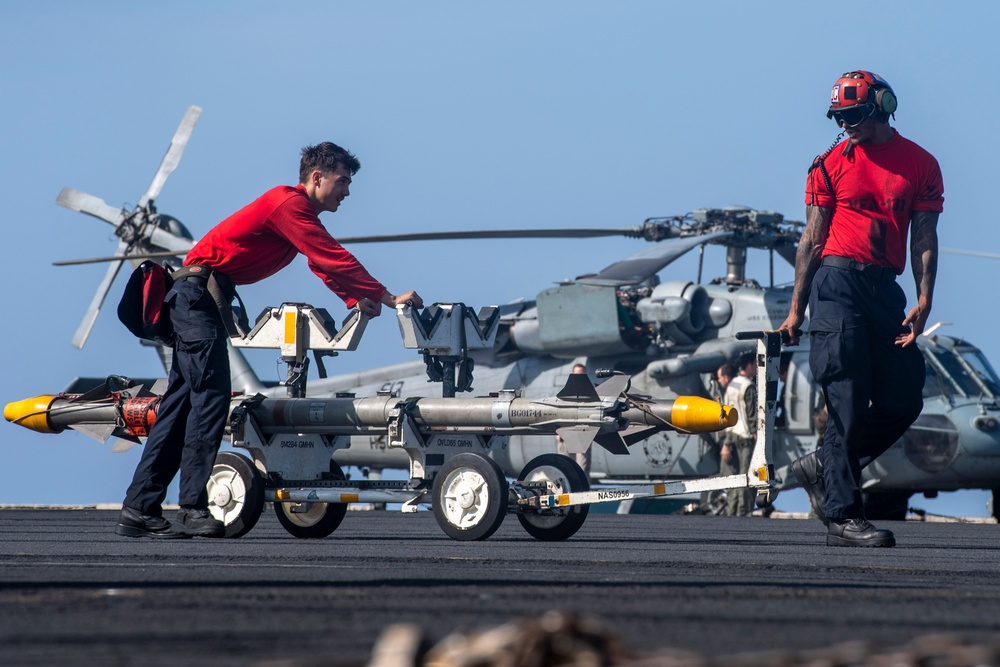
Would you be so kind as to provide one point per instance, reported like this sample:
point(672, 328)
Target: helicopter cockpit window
point(981, 367)
point(958, 373)
point(934, 384)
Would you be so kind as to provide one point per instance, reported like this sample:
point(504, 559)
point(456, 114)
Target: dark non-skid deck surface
point(71, 592)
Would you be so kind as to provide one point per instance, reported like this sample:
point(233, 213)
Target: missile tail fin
point(577, 439)
point(123, 445)
point(578, 388)
point(613, 386)
point(99, 432)
point(634, 434)
point(612, 442)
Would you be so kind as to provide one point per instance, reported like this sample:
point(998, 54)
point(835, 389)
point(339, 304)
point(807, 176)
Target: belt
point(885, 273)
point(222, 290)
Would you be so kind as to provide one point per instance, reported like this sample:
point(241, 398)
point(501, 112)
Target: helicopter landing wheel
point(312, 520)
point(235, 493)
point(470, 497)
point(561, 474)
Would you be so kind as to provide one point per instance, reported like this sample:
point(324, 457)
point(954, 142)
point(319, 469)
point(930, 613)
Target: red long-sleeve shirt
point(261, 239)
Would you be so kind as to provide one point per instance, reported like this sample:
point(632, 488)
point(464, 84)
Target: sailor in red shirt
point(250, 245)
point(863, 198)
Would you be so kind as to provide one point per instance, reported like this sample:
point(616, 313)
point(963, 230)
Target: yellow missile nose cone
point(729, 416)
point(700, 415)
point(30, 413)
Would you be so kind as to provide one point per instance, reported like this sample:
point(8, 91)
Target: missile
point(115, 408)
point(579, 420)
point(502, 415)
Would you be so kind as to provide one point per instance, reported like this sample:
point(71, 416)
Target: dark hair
point(727, 370)
point(747, 358)
point(325, 157)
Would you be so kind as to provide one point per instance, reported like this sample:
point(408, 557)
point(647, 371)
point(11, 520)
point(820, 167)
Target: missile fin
point(612, 442)
point(578, 388)
point(577, 439)
point(634, 434)
point(613, 386)
point(99, 432)
point(123, 445)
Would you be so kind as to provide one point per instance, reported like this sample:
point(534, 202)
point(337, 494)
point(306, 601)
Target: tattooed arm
point(807, 260)
point(923, 258)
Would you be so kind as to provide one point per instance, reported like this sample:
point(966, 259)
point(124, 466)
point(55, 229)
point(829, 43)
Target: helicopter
point(668, 335)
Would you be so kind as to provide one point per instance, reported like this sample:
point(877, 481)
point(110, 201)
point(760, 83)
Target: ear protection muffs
point(885, 99)
point(862, 87)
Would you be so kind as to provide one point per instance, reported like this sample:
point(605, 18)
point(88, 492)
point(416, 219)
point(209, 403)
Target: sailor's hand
point(790, 329)
point(726, 454)
point(915, 321)
point(411, 298)
point(369, 307)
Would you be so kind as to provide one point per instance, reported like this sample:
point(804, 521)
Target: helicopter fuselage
point(955, 444)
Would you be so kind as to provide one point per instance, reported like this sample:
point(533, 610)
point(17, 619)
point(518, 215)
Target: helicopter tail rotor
point(90, 317)
point(75, 200)
point(173, 156)
point(141, 230)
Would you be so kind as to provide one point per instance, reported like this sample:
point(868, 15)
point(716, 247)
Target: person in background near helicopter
point(723, 376)
point(863, 196)
point(741, 393)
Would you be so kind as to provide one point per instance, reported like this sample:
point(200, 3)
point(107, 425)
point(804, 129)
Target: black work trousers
point(873, 387)
point(191, 417)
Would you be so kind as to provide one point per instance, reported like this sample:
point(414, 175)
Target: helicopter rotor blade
point(83, 332)
point(566, 233)
point(161, 238)
point(648, 262)
point(75, 200)
point(787, 252)
point(973, 253)
point(115, 258)
point(173, 156)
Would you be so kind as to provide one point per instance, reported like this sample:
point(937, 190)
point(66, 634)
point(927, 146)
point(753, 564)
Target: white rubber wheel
point(235, 493)
point(470, 497)
point(561, 474)
point(312, 520)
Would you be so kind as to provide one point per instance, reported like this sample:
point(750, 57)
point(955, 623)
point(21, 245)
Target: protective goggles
point(851, 116)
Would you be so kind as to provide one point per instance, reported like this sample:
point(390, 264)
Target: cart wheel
point(765, 498)
point(312, 520)
point(470, 497)
point(235, 493)
point(562, 475)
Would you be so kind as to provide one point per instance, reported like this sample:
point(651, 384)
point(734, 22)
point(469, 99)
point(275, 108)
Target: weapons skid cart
point(448, 440)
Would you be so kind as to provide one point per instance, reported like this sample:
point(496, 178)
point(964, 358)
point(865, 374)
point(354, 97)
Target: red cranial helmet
point(862, 88)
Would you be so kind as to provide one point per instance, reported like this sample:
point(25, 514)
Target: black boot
point(199, 522)
point(858, 533)
point(132, 523)
point(809, 471)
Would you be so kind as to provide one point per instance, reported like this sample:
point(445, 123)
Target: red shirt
point(261, 239)
point(878, 188)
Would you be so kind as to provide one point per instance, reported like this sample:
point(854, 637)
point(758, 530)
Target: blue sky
point(464, 116)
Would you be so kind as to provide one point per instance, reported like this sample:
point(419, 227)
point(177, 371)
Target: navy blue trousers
point(873, 387)
point(191, 417)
